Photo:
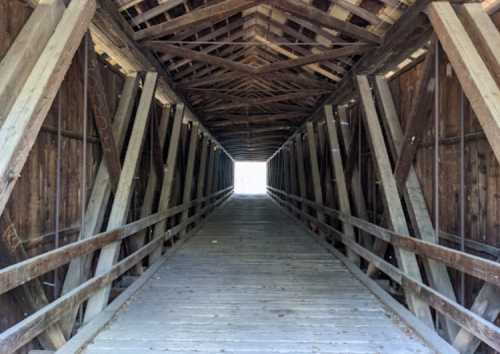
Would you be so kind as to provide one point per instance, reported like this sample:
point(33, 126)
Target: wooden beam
point(210, 172)
point(253, 119)
point(211, 13)
point(355, 178)
point(22, 55)
point(188, 178)
point(21, 126)
point(484, 35)
point(314, 165)
point(418, 119)
point(202, 170)
point(283, 51)
point(168, 178)
point(261, 100)
point(415, 201)
point(407, 260)
point(300, 168)
point(315, 15)
point(293, 78)
point(102, 117)
point(163, 47)
point(472, 73)
point(157, 10)
point(79, 269)
point(340, 180)
point(354, 49)
point(250, 132)
point(119, 210)
point(137, 241)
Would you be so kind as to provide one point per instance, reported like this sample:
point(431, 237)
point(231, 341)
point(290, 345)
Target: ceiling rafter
point(212, 13)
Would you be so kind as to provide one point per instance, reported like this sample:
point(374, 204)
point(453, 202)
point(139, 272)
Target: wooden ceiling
point(254, 70)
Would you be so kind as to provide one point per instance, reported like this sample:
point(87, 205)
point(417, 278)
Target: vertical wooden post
point(137, 241)
point(340, 182)
point(168, 177)
point(188, 178)
point(313, 158)
point(300, 169)
point(415, 201)
point(407, 260)
point(202, 170)
point(79, 268)
point(121, 202)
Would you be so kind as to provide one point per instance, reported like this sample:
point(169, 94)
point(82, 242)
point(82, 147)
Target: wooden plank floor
point(251, 282)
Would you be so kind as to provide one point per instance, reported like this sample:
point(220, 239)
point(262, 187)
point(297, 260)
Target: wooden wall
point(31, 210)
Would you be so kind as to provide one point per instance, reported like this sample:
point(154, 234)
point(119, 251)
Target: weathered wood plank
point(340, 180)
point(123, 195)
point(484, 34)
point(102, 117)
point(414, 199)
point(407, 260)
point(418, 119)
point(137, 241)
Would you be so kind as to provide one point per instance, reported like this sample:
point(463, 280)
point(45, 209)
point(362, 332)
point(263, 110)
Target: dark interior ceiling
point(254, 70)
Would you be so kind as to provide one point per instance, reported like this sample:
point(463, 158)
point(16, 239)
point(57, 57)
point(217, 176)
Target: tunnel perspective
point(249, 176)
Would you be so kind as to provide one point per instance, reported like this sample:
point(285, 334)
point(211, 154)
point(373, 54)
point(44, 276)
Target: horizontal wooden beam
point(163, 47)
point(261, 101)
point(254, 119)
point(354, 49)
point(315, 15)
point(212, 13)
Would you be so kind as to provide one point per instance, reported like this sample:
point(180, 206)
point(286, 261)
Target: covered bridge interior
point(120, 125)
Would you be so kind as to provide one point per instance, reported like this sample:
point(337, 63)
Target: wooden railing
point(17, 274)
point(478, 267)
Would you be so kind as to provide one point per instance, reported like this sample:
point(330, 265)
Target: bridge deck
point(251, 281)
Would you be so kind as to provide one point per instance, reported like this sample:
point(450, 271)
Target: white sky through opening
point(250, 177)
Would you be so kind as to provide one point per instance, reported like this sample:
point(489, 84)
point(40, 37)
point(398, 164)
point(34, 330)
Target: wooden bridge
point(121, 122)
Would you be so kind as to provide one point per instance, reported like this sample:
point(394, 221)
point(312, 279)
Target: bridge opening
point(250, 177)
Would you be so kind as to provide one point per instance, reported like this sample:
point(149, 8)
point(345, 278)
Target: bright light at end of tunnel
point(250, 177)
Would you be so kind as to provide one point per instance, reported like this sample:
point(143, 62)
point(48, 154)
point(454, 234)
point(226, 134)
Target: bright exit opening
point(250, 177)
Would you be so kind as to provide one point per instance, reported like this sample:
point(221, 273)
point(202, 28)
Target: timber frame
point(303, 85)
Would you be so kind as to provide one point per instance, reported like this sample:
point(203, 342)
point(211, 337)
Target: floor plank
point(252, 282)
